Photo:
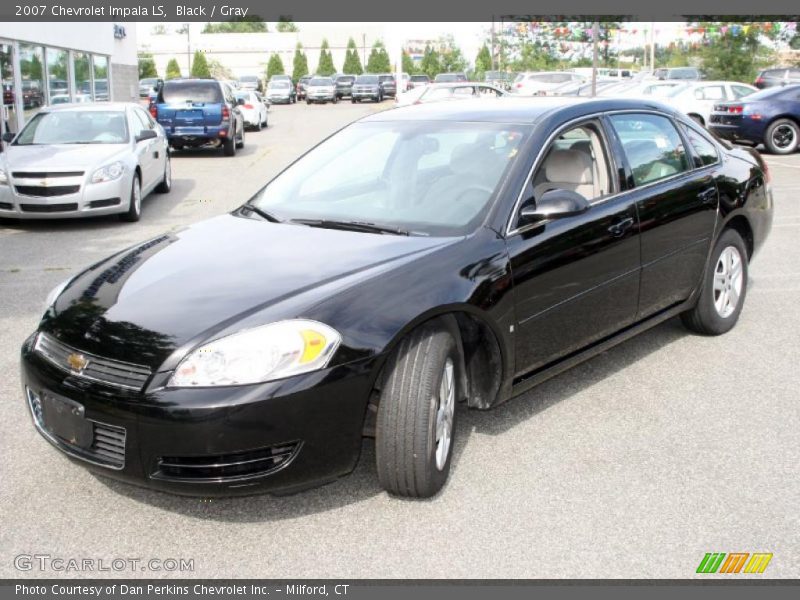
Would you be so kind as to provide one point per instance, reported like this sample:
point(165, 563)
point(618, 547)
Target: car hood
point(60, 156)
point(142, 304)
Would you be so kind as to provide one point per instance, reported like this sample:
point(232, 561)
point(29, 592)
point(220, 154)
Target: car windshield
point(282, 84)
point(367, 79)
point(198, 92)
point(447, 77)
point(346, 79)
point(428, 178)
point(251, 78)
point(75, 127)
point(317, 81)
point(419, 78)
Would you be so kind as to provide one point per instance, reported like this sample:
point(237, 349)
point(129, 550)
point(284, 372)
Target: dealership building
point(52, 63)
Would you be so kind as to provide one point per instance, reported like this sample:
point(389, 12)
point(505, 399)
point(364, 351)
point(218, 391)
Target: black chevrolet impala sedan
point(419, 258)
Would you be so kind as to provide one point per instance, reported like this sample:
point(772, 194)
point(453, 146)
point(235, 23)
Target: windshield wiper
point(261, 213)
point(352, 226)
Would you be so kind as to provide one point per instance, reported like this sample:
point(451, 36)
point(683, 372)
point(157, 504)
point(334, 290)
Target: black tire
point(352, 100)
point(229, 146)
point(166, 184)
point(308, 102)
point(259, 125)
point(240, 142)
point(134, 212)
point(406, 429)
point(177, 147)
point(777, 132)
point(705, 318)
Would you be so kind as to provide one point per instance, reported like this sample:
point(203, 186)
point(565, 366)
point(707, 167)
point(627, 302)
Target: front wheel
point(782, 137)
point(724, 288)
point(416, 416)
point(134, 212)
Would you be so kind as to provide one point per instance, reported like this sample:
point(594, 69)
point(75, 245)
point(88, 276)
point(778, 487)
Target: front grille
point(6, 206)
point(104, 203)
point(108, 441)
point(103, 370)
point(46, 191)
point(45, 174)
point(48, 208)
point(227, 467)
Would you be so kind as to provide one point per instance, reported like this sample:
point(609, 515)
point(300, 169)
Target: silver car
point(81, 160)
point(321, 89)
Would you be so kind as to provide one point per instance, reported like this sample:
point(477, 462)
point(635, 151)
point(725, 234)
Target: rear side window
point(199, 92)
point(710, 92)
point(652, 146)
point(705, 151)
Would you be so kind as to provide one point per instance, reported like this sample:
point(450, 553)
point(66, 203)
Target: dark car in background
point(684, 73)
point(499, 79)
point(344, 86)
point(418, 81)
point(777, 76)
point(770, 116)
point(367, 87)
point(416, 259)
point(450, 77)
point(300, 88)
point(388, 85)
point(199, 112)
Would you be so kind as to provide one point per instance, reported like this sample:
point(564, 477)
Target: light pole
point(595, 35)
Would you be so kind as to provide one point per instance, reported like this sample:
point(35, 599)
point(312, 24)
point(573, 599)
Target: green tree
point(430, 65)
point(483, 62)
point(378, 61)
point(147, 66)
point(408, 64)
point(274, 66)
point(325, 64)
point(352, 63)
point(450, 57)
point(300, 63)
point(173, 70)
point(252, 24)
point(733, 56)
point(200, 65)
point(286, 25)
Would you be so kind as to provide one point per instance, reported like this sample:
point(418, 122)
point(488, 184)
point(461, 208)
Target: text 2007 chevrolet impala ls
point(421, 257)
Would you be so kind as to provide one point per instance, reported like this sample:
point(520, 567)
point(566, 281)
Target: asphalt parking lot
point(634, 464)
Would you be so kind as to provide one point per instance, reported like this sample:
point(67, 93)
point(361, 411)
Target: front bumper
point(89, 199)
point(318, 97)
point(279, 99)
point(368, 94)
point(281, 436)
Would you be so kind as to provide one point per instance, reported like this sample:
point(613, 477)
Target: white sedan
point(437, 92)
point(697, 99)
point(253, 107)
point(83, 160)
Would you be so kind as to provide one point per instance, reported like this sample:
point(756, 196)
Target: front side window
point(431, 178)
point(577, 161)
point(652, 146)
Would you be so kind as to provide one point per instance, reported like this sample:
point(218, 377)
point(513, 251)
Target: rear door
point(676, 203)
point(147, 151)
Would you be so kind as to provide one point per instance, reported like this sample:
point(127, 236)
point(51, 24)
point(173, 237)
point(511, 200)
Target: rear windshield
point(367, 79)
point(281, 83)
point(419, 78)
point(198, 92)
point(385, 78)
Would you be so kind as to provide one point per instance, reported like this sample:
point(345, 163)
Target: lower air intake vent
point(226, 467)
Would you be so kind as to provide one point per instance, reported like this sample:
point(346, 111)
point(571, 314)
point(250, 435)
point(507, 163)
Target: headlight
point(55, 293)
point(260, 354)
point(3, 177)
point(108, 172)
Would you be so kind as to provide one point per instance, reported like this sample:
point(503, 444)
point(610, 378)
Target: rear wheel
point(240, 141)
point(352, 100)
point(308, 102)
point(229, 146)
point(134, 212)
point(782, 137)
point(724, 288)
point(416, 416)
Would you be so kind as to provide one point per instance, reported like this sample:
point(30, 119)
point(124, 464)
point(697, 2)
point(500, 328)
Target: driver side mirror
point(554, 204)
point(146, 134)
point(9, 137)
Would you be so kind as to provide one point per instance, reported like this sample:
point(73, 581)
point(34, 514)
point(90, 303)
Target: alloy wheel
point(784, 136)
point(728, 281)
point(445, 411)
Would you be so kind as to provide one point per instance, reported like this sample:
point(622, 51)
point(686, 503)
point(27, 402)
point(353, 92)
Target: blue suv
point(199, 112)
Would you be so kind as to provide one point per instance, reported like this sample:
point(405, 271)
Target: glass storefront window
point(82, 67)
point(9, 111)
point(57, 76)
point(31, 66)
point(101, 91)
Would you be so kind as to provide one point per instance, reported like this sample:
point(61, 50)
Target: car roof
point(86, 106)
point(513, 110)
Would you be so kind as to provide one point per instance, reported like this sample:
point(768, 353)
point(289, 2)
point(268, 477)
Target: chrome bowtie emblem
point(77, 362)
